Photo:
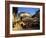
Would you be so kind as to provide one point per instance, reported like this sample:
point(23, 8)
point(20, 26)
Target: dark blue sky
point(32, 11)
